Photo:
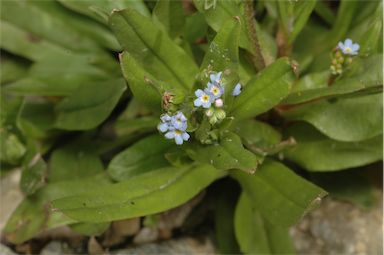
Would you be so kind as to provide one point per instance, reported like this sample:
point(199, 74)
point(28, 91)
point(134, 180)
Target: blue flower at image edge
point(348, 47)
point(236, 90)
point(203, 99)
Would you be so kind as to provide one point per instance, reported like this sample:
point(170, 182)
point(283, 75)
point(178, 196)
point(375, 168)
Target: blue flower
point(203, 99)
point(175, 127)
point(179, 136)
point(348, 47)
point(215, 89)
point(165, 123)
point(236, 90)
point(216, 77)
point(179, 121)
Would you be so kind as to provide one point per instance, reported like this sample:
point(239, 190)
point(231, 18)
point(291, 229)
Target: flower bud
point(219, 103)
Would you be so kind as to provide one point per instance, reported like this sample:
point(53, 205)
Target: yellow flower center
point(348, 50)
point(205, 98)
point(215, 90)
point(178, 132)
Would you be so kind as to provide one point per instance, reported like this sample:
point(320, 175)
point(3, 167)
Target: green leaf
point(228, 154)
point(281, 196)
point(195, 27)
point(89, 105)
point(221, 11)
point(40, 23)
point(325, 12)
point(257, 134)
point(364, 74)
point(77, 70)
point(33, 176)
point(143, 156)
point(12, 149)
point(255, 234)
point(170, 15)
point(223, 51)
point(87, 28)
point(11, 70)
point(92, 8)
point(350, 186)
point(73, 162)
point(302, 11)
point(347, 119)
point(265, 90)
point(316, 152)
point(22, 43)
point(131, 126)
point(345, 15)
point(143, 85)
point(153, 49)
point(34, 214)
point(35, 119)
point(145, 194)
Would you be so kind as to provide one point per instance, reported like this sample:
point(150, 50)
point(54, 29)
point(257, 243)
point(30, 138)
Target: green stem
point(257, 57)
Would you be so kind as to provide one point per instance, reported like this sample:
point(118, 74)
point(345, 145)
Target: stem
point(257, 57)
point(331, 79)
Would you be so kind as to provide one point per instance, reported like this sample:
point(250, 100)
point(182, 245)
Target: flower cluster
point(211, 95)
point(174, 127)
point(342, 55)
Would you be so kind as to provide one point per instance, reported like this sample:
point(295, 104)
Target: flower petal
point(355, 47)
point(185, 136)
point(197, 102)
point(341, 45)
point(162, 127)
point(199, 93)
point(178, 140)
point(348, 42)
point(170, 135)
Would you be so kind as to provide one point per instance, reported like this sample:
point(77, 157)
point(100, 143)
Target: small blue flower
point(165, 123)
point(179, 136)
point(215, 89)
point(216, 77)
point(203, 99)
point(348, 47)
point(236, 90)
point(179, 121)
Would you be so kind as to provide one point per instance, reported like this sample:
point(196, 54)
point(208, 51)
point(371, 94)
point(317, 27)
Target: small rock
point(146, 235)
point(338, 227)
point(94, 248)
point(10, 195)
point(119, 230)
point(185, 246)
point(4, 250)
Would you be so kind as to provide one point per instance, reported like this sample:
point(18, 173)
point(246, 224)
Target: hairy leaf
point(281, 196)
point(145, 194)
